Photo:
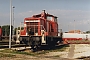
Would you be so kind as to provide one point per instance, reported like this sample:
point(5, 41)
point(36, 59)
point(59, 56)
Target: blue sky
point(66, 10)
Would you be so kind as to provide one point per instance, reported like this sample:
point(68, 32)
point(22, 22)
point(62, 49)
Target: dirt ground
point(27, 57)
point(47, 56)
point(70, 53)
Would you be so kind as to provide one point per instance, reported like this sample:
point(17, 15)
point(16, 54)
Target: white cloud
point(29, 11)
point(65, 17)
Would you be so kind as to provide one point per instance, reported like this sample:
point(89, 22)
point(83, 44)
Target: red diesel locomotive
point(41, 29)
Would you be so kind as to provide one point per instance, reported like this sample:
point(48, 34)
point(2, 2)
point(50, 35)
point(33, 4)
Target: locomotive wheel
point(34, 48)
point(34, 43)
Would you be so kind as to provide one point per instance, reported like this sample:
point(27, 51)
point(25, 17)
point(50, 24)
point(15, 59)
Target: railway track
point(5, 44)
point(13, 46)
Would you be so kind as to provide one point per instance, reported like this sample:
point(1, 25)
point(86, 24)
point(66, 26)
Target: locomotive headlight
point(36, 34)
point(25, 25)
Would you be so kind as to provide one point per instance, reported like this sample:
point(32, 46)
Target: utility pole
point(10, 23)
point(13, 20)
point(68, 27)
point(74, 26)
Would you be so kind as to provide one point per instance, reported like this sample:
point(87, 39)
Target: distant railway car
point(0, 33)
point(41, 29)
point(75, 36)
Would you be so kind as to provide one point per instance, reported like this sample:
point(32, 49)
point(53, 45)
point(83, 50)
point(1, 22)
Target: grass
point(60, 49)
point(56, 56)
point(22, 52)
point(6, 55)
point(16, 52)
point(12, 53)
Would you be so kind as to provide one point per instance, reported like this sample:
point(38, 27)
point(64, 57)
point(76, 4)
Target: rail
point(5, 37)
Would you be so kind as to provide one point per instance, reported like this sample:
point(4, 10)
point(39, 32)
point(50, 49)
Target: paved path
point(71, 51)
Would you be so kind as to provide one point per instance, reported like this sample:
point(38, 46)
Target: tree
point(15, 31)
point(87, 31)
point(21, 28)
point(6, 30)
point(18, 29)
